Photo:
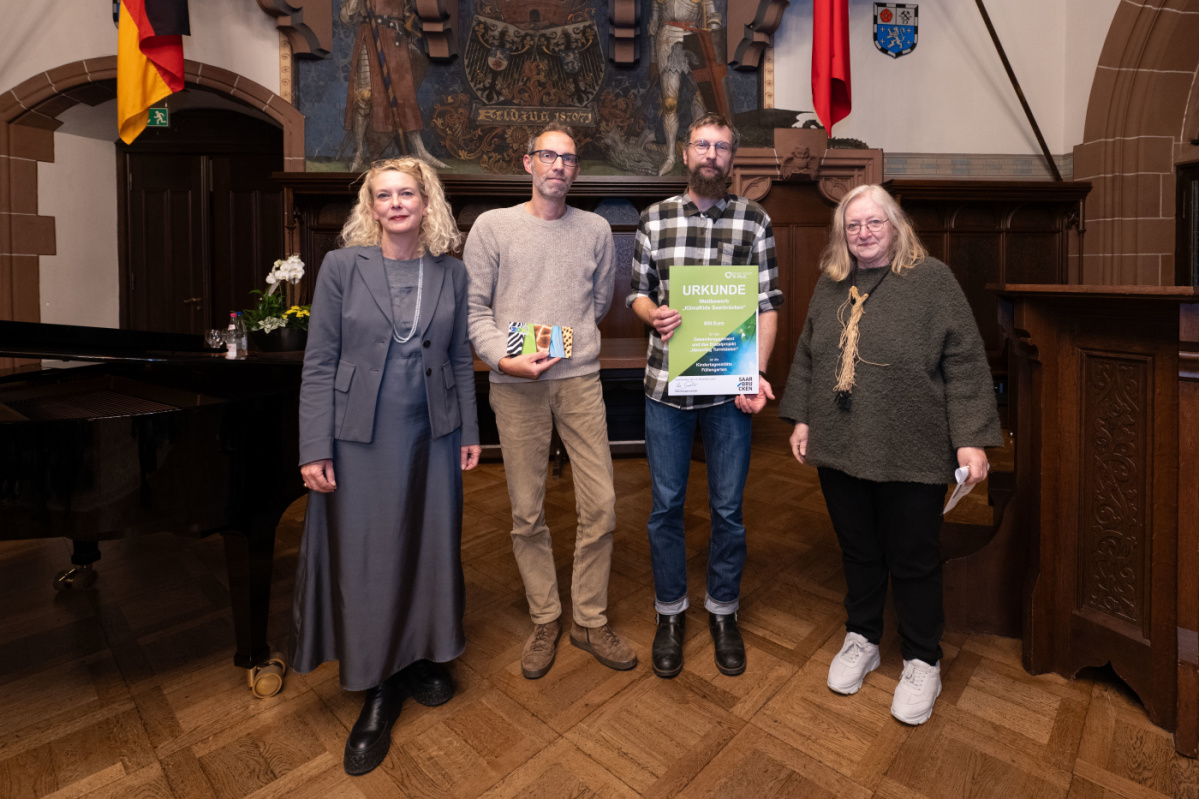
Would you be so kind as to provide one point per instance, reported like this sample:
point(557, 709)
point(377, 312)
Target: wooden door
point(247, 234)
point(202, 221)
point(166, 271)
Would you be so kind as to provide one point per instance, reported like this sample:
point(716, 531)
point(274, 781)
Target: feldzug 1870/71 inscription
point(518, 115)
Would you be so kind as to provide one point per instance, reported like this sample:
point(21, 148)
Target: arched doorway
point(29, 115)
point(200, 220)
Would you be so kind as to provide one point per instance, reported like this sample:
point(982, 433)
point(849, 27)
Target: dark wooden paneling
point(1186, 226)
point(800, 218)
point(988, 232)
point(320, 203)
point(995, 232)
point(1101, 377)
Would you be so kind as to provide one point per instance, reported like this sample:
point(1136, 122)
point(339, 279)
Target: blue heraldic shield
point(896, 26)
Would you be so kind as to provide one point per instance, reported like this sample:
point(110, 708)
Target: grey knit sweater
point(525, 269)
point(923, 388)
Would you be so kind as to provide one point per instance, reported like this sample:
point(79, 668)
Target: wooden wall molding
point(439, 23)
point(756, 21)
point(287, 82)
point(308, 24)
point(28, 118)
point(624, 31)
point(803, 154)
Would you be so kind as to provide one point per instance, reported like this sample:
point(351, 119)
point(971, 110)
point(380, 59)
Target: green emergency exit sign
point(159, 118)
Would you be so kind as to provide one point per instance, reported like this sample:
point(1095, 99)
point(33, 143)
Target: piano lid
point(78, 343)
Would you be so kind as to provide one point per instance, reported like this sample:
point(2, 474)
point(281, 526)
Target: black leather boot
point(371, 737)
point(427, 682)
point(668, 644)
point(730, 649)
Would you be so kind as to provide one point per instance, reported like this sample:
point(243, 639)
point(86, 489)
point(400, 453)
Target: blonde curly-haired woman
point(387, 425)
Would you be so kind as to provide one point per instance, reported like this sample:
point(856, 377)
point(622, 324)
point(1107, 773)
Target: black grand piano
point(155, 434)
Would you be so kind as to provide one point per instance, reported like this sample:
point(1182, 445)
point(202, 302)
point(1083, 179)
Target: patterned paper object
point(555, 340)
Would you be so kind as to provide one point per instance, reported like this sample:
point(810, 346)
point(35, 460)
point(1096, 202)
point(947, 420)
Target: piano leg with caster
point(81, 576)
point(249, 556)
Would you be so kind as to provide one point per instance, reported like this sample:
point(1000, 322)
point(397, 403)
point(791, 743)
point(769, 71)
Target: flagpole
point(1019, 93)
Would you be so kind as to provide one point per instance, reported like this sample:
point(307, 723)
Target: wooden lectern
point(1105, 394)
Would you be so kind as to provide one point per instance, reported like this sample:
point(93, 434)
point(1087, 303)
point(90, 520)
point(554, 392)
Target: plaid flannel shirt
point(734, 231)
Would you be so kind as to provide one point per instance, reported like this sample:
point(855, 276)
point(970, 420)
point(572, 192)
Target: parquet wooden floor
point(128, 690)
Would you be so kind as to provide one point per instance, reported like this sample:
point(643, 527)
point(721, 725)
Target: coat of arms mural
point(521, 65)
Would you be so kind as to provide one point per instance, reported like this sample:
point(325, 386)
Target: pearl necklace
point(420, 283)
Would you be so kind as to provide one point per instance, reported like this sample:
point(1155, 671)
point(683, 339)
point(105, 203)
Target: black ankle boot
point(371, 737)
point(730, 649)
point(668, 644)
point(427, 682)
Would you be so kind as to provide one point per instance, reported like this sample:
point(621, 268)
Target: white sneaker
point(918, 689)
point(857, 658)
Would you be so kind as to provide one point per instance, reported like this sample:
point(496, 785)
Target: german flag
point(149, 59)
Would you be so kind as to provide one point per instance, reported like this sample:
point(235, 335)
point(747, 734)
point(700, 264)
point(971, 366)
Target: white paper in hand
point(960, 474)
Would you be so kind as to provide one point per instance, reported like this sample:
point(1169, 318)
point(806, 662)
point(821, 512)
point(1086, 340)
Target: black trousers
point(890, 530)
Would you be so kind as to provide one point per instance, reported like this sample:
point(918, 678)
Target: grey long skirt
point(379, 582)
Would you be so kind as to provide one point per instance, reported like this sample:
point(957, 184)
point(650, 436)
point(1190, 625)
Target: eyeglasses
point(722, 147)
point(873, 225)
point(549, 157)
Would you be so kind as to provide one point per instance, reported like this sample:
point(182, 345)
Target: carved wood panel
point(1115, 461)
point(1105, 467)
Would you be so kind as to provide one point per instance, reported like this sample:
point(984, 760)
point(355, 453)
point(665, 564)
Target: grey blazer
point(348, 337)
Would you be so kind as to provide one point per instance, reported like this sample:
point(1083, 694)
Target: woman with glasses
point(890, 393)
point(387, 425)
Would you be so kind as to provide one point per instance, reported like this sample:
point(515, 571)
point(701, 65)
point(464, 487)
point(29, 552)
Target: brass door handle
point(194, 299)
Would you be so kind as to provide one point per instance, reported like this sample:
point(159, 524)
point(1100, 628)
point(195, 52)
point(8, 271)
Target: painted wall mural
point(521, 65)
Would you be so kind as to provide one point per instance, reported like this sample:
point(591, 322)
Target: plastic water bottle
point(231, 344)
point(243, 337)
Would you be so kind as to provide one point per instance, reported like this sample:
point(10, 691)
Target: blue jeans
point(669, 432)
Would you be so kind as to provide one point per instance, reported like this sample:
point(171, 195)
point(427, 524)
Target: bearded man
point(705, 225)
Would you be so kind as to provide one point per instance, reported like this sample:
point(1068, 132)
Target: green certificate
point(715, 348)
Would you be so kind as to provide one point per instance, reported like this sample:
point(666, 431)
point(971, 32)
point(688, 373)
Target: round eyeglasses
point(873, 225)
point(549, 157)
point(722, 147)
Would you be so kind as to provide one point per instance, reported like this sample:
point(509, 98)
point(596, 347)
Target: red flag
point(830, 61)
point(149, 59)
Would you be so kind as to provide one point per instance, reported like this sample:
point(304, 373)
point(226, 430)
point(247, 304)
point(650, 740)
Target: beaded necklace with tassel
point(847, 365)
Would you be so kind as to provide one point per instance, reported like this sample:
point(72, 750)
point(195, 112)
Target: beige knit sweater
point(525, 269)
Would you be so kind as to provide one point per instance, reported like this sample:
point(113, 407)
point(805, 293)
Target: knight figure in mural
point(671, 22)
point(387, 66)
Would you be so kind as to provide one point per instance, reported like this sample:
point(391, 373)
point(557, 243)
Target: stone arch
point(28, 119)
point(1141, 100)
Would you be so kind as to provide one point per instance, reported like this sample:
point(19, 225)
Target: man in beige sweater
point(545, 263)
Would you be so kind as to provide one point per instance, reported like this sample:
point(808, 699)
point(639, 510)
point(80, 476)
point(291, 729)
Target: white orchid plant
point(277, 309)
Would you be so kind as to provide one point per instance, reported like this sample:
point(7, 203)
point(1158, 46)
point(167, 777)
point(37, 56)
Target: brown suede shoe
point(607, 647)
point(540, 649)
